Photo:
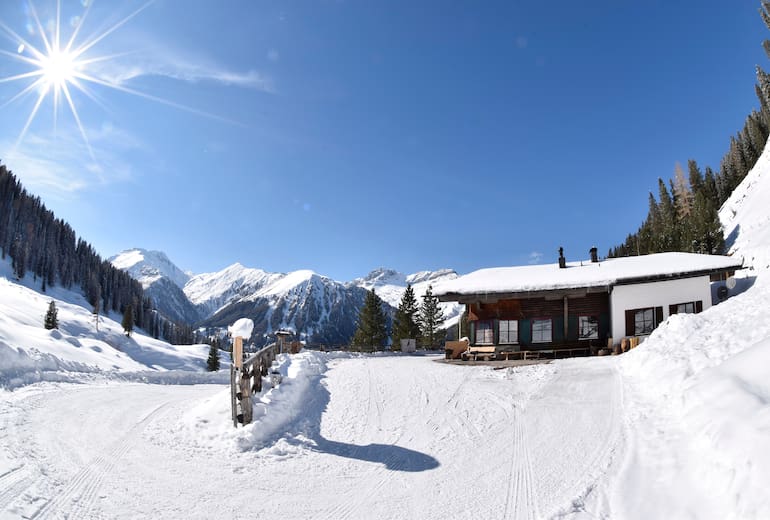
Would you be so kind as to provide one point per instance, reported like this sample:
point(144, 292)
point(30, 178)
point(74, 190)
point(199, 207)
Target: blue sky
point(341, 136)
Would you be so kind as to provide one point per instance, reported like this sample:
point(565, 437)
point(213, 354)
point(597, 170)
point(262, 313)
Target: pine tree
point(405, 321)
point(212, 363)
point(51, 317)
point(668, 218)
point(431, 318)
point(682, 192)
point(371, 331)
point(128, 319)
point(95, 312)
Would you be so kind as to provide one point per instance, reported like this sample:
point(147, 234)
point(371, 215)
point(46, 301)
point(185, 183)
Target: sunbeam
point(57, 69)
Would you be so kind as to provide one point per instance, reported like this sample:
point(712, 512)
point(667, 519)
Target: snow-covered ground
point(92, 426)
point(30, 353)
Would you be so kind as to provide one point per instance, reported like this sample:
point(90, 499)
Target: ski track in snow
point(397, 437)
point(81, 491)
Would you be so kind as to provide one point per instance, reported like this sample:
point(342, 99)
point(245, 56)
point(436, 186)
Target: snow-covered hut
point(580, 305)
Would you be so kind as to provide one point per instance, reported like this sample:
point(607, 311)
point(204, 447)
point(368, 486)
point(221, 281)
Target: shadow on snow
point(308, 425)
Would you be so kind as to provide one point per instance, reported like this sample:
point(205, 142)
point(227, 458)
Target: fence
point(246, 378)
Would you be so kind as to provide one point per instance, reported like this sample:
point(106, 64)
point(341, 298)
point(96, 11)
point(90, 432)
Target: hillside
point(30, 353)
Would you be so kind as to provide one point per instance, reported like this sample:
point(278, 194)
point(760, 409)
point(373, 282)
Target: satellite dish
point(722, 293)
point(731, 283)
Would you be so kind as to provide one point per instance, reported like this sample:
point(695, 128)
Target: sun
point(58, 68)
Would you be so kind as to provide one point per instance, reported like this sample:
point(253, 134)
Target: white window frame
point(540, 332)
point(588, 323)
point(508, 332)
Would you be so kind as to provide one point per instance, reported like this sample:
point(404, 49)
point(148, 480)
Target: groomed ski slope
point(374, 437)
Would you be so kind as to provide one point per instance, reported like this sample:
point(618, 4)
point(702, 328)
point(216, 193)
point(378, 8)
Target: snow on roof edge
point(586, 274)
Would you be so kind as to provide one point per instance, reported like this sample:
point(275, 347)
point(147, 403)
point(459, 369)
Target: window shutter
point(472, 332)
point(572, 328)
point(496, 332)
point(604, 326)
point(658, 315)
point(557, 329)
point(699, 306)
point(671, 310)
point(525, 332)
point(629, 323)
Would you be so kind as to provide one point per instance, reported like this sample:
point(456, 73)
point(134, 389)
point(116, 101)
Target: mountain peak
point(430, 276)
point(149, 266)
point(381, 276)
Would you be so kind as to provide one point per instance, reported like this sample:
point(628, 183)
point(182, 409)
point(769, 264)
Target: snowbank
point(698, 405)
point(283, 416)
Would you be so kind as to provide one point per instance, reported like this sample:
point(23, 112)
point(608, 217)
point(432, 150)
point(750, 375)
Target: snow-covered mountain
point(211, 292)
point(148, 267)
point(162, 281)
point(322, 310)
point(318, 308)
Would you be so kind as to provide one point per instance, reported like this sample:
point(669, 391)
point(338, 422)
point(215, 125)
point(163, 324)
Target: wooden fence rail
point(246, 378)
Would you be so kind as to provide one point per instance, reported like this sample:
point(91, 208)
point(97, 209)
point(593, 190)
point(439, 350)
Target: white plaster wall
point(655, 294)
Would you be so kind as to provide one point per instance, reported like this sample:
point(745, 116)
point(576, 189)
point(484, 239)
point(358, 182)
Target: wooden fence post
point(241, 374)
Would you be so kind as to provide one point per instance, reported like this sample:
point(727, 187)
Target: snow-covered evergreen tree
point(128, 319)
point(212, 362)
point(51, 320)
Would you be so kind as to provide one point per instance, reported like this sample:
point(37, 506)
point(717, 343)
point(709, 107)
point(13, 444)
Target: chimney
point(594, 255)
point(562, 260)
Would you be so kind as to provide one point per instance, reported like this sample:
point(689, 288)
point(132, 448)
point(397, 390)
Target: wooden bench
point(485, 353)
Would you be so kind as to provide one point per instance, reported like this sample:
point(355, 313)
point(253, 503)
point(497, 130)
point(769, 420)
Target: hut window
point(644, 321)
point(541, 330)
point(686, 308)
point(588, 327)
point(509, 331)
point(640, 322)
point(484, 333)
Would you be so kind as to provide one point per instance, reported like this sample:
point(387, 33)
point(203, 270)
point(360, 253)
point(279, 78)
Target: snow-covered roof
point(583, 275)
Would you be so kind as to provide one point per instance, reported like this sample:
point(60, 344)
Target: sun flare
point(58, 68)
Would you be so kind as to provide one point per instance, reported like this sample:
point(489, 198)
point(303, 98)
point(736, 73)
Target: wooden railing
point(246, 378)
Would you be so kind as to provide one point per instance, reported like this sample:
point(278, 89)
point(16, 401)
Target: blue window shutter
point(525, 332)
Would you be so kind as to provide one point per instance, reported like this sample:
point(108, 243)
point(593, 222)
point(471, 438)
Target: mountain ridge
point(318, 308)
